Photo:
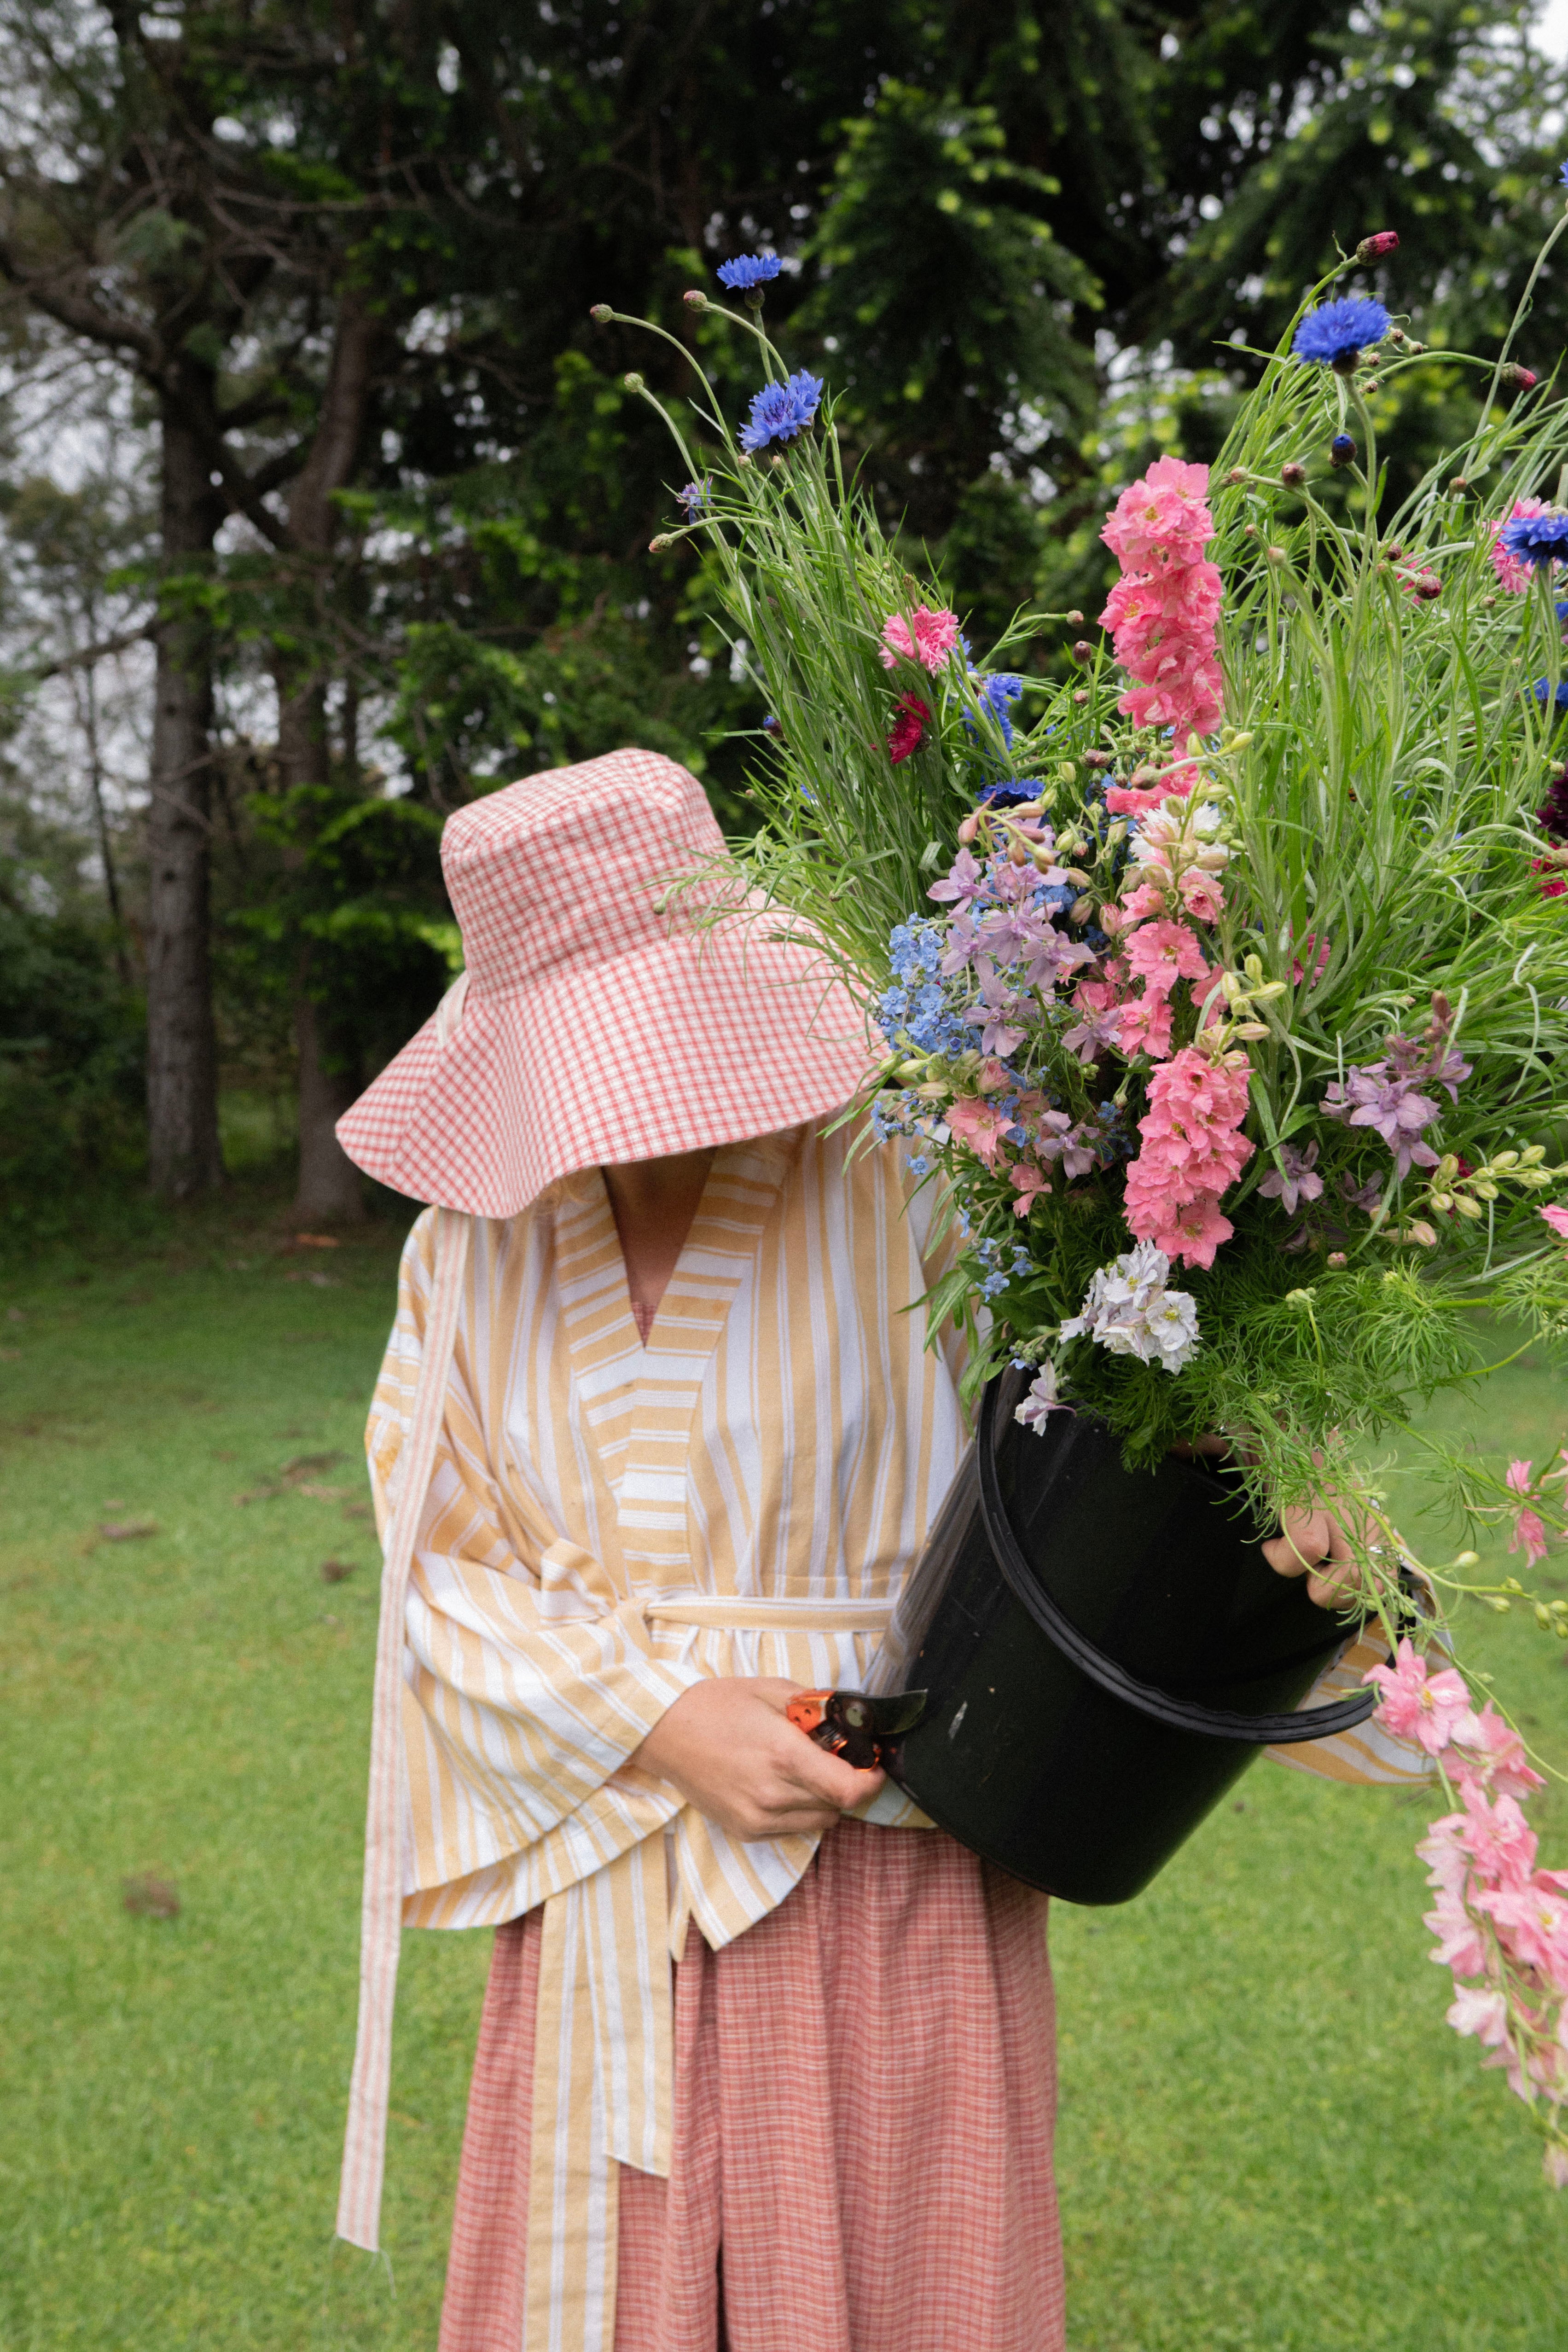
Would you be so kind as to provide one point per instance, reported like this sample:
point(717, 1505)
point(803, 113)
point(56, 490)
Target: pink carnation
point(928, 637)
point(1512, 573)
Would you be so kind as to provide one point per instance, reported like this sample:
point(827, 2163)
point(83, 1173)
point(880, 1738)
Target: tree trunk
point(330, 1189)
point(182, 1046)
point(331, 1192)
point(330, 1186)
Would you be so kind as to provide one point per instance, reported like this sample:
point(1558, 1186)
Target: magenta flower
point(908, 731)
point(1427, 1708)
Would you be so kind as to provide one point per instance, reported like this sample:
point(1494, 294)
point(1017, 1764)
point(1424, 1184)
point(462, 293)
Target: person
point(764, 2057)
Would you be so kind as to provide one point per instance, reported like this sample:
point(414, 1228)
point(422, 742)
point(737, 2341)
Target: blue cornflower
point(1337, 332)
point(1009, 795)
point(1563, 176)
point(780, 411)
point(1538, 538)
point(751, 269)
point(1341, 450)
point(1544, 693)
point(693, 498)
point(996, 689)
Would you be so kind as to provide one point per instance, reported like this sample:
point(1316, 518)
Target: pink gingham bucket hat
point(590, 1027)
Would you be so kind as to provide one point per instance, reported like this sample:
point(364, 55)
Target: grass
point(1270, 2143)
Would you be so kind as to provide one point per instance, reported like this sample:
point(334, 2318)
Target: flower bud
point(1382, 241)
point(602, 313)
point(1338, 1258)
point(1237, 475)
point(633, 382)
point(968, 829)
point(1083, 651)
point(1082, 695)
point(1073, 619)
point(1099, 759)
point(1292, 474)
point(659, 545)
point(695, 298)
point(1341, 450)
point(1467, 1559)
point(1458, 484)
point(1277, 555)
point(1519, 379)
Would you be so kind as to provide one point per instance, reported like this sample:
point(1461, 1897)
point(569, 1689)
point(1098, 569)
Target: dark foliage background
point(1029, 247)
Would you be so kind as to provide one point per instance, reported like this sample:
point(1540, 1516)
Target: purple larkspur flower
point(1297, 1179)
point(963, 881)
point(996, 1014)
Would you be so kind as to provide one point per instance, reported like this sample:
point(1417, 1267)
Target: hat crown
point(562, 869)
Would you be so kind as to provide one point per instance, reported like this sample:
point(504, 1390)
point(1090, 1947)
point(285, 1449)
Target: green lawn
point(1270, 2141)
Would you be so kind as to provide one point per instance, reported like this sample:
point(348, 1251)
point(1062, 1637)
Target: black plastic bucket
point(1105, 1651)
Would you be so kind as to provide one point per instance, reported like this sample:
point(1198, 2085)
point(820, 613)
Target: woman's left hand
point(1313, 1543)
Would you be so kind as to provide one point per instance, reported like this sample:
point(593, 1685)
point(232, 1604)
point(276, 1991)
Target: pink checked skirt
point(865, 2090)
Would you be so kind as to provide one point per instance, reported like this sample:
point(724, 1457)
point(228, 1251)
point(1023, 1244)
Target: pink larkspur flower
point(927, 637)
point(1417, 1706)
point(979, 1124)
point(1460, 1943)
point(1498, 1840)
point(1481, 2012)
point(1489, 1753)
point(1532, 1922)
point(1554, 2164)
point(1162, 517)
point(1512, 573)
point(1558, 1220)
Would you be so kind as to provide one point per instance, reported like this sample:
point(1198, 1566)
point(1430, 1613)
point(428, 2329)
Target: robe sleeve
point(524, 1693)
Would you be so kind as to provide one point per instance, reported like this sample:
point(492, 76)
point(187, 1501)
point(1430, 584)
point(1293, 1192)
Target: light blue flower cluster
point(918, 1006)
point(781, 411)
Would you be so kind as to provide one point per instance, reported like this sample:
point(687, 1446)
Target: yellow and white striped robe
point(607, 1523)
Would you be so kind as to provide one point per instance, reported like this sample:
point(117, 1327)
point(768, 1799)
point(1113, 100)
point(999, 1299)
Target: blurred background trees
point(325, 507)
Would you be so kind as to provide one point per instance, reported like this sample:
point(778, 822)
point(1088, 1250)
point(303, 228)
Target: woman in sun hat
point(764, 2058)
point(689, 1439)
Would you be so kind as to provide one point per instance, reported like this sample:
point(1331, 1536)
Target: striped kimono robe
point(607, 1523)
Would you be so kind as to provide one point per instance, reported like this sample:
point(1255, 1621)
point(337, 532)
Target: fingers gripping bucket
point(1105, 1652)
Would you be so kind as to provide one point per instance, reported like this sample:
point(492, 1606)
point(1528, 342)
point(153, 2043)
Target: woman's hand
point(732, 1752)
point(1313, 1543)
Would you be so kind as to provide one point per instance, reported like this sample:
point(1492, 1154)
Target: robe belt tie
point(603, 2068)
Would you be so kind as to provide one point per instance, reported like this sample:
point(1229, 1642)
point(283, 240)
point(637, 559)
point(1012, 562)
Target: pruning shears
point(854, 1725)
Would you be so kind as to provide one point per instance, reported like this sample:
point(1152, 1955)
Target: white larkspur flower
point(1129, 1311)
point(1041, 1401)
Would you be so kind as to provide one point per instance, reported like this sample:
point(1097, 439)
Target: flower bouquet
point(1223, 978)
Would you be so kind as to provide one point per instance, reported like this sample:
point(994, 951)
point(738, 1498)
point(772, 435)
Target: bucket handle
point(1178, 1714)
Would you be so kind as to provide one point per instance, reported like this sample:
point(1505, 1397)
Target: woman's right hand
point(730, 1748)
